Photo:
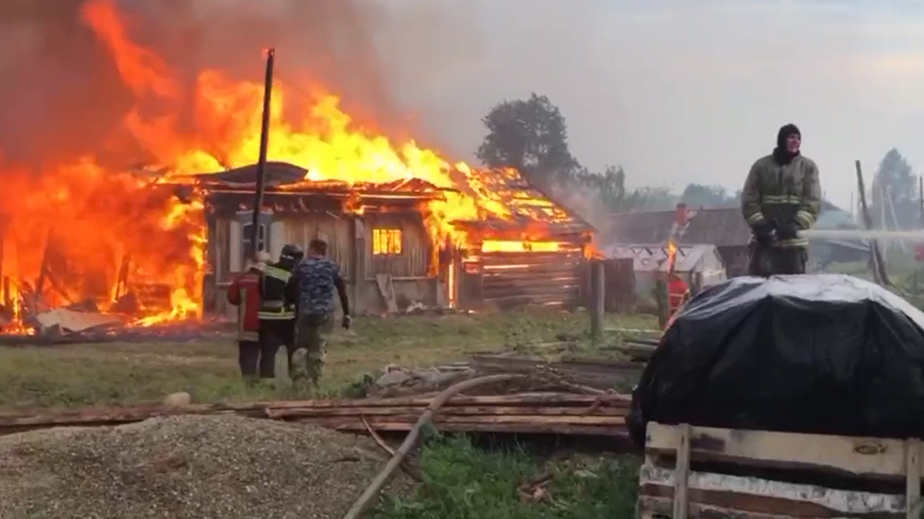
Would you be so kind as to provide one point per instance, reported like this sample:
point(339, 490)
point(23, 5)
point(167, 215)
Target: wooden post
point(261, 164)
point(662, 299)
point(879, 273)
point(598, 294)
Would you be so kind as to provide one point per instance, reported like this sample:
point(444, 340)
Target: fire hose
point(859, 234)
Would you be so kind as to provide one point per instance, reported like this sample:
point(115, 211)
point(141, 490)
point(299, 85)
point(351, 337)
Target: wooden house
point(378, 235)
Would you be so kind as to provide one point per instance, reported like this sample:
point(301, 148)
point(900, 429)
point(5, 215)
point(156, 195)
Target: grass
point(463, 482)
point(132, 373)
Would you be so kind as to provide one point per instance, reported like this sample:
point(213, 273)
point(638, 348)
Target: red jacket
point(244, 293)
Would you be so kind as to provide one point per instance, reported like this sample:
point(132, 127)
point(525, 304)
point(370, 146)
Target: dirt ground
point(222, 467)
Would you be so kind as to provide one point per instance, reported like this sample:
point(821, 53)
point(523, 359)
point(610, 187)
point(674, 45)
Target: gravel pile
point(201, 467)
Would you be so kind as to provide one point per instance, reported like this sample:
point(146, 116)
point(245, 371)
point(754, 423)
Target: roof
point(653, 257)
point(722, 227)
point(282, 177)
point(527, 205)
point(719, 226)
point(504, 189)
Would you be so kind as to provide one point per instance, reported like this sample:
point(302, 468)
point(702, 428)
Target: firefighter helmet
point(291, 253)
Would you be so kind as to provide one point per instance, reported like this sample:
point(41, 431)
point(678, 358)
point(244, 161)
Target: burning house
point(390, 243)
point(101, 227)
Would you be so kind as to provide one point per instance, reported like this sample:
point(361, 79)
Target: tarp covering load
point(826, 354)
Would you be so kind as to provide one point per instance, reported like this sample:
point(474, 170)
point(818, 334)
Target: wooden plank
point(913, 479)
point(771, 498)
point(450, 411)
point(534, 299)
point(531, 280)
point(532, 258)
point(839, 454)
point(562, 291)
point(682, 473)
point(387, 291)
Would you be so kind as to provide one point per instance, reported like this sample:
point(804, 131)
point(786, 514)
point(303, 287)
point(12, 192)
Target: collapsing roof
point(524, 204)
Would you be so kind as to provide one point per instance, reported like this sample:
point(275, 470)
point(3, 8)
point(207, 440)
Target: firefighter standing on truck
point(277, 316)
point(781, 197)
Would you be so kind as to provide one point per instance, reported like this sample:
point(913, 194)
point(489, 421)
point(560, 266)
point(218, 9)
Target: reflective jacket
point(273, 293)
point(244, 293)
point(789, 194)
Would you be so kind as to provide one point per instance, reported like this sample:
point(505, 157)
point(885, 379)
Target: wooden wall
point(505, 280)
point(350, 245)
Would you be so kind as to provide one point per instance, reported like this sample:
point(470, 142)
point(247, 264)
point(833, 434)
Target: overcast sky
point(681, 91)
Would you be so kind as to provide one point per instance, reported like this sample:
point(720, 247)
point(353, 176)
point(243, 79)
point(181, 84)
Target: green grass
point(132, 373)
point(462, 482)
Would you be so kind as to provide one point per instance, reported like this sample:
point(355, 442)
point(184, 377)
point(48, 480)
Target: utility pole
point(261, 164)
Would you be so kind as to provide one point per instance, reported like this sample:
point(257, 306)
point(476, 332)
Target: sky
point(676, 91)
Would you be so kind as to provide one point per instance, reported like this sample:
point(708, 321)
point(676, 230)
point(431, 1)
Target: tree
point(896, 180)
point(700, 195)
point(653, 199)
point(530, 135)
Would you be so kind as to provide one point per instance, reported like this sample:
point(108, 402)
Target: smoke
point(68, 98)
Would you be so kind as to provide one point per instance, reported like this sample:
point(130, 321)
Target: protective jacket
point(273, 293)
point(788, 193)
point(244, 293)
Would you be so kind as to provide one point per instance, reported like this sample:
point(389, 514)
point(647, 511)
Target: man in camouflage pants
point(781, 196)
point(311, 289)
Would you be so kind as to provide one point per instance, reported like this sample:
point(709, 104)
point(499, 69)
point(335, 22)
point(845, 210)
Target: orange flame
point(97, 220)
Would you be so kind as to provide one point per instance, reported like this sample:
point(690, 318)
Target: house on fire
point(378, 234)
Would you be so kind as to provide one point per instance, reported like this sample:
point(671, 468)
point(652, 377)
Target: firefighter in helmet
point(277, 316)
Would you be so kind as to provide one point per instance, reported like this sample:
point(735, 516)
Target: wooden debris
point(527, 413)
point(679, 477)
point(596, 373)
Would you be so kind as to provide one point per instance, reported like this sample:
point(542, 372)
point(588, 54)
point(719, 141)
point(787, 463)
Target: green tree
point(653, 199)
point(700, 195)
point(530, 135)
point(896, 180)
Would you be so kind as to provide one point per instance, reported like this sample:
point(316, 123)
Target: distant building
point(725, 228)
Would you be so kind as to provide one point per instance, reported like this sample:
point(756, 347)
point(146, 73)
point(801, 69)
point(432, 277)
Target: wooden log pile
point(601, 374)
point(526, 413)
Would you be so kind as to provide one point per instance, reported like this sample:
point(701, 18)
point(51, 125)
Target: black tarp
point(826, 354)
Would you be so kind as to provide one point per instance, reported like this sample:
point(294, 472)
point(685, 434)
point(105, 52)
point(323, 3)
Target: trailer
point(715, 473)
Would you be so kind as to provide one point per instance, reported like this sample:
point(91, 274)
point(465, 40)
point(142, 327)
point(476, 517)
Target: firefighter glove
point(765, 231)
point(346, 322)
point(788, 231)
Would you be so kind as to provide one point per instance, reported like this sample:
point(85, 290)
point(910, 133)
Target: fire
point(81, 231)
point(671, 256)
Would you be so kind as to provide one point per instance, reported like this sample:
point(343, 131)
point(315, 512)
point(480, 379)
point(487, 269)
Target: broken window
point(386, 241)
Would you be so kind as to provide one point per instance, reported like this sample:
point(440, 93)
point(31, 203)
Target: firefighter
point(244, 293)
point(277, 316)
point(781, 196)
point(312, 289)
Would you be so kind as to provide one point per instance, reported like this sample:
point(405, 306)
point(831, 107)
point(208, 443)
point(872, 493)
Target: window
point(246, 235)
point(386, 241)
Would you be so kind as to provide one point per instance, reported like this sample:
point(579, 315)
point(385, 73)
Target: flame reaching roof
point(102, 221)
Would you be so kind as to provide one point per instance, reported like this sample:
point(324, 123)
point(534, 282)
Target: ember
point(126, 242)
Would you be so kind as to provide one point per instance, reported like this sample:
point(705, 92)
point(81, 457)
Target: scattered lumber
point(525, 413)
point(596, 373)
point(711, 472)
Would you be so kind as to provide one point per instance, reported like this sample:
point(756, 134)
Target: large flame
point(77, 226)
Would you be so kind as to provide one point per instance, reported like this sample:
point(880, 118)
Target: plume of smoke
point(68, 98)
